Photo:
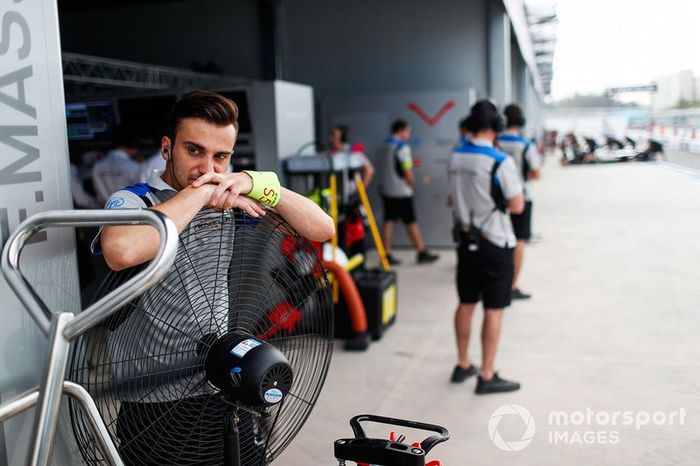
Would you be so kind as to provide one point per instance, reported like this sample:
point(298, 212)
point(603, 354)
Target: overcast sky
point(609, 43)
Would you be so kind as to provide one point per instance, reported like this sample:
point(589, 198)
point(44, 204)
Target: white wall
point(34, 177)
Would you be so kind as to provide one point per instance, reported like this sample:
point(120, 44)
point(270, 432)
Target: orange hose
point(353, 301)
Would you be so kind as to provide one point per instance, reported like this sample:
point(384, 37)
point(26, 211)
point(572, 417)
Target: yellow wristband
point(266, 187)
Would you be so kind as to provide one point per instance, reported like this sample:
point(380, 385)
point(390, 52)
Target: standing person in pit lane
point(484, 187)
point(397, 185)
point(528, 160)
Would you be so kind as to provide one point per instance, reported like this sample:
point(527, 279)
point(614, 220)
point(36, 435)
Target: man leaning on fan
point(201, 133)
point(197, 149)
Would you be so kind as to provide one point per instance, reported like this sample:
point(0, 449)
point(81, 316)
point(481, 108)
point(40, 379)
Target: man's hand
point(410, 179)
point(230, 192)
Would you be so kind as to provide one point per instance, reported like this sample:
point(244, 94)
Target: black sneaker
point(461, 374)
point(518, 294)
point(495, 385)
point(392, 260)
point(426, 257)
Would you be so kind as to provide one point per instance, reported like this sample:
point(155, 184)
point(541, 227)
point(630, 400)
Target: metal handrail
point(61, 328)
point(103, 308)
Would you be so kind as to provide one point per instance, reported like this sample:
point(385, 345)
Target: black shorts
point(485, 275)
point(521, 222)
point(399, 208)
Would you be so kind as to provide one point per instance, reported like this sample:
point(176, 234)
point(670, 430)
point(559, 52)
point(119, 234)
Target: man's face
point(405, 134)
point(200, 147)
point(335, 138)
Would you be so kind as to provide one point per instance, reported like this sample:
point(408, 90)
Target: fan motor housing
point(250, 370)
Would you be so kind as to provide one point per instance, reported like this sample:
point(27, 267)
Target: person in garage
point(197, 148)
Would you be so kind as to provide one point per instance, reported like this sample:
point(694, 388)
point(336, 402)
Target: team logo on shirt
point(114, 203)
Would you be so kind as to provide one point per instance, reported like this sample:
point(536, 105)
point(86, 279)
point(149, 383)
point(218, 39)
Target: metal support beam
point(499, 69)
point(86, 69)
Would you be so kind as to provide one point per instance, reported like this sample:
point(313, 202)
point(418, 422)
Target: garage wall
point(337, 46)
point(361, 46)
point(518, 70)
point(174, 33)
point(533, 109)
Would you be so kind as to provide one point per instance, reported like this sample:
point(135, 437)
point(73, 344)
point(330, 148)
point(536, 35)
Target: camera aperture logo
point(580, 427)
point(511, 410)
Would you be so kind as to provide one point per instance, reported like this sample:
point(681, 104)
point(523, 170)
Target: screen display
point(90, 121)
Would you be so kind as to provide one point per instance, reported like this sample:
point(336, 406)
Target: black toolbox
point(379, 295)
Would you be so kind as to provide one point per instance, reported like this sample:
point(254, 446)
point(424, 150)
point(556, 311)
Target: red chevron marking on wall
point(431, 121)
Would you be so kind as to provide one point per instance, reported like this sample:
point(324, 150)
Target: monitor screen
point(146, 116)
point(90, 121)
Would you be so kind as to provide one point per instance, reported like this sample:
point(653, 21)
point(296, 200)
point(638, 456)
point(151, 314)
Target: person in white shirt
point(484, 188)
point(120, 167)
point(154, 163)
point(338, 143)
point(528, 160)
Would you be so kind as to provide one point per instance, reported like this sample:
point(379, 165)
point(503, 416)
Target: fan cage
point(144, 365)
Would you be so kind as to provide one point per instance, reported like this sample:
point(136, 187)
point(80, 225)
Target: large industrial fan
point(220, 362)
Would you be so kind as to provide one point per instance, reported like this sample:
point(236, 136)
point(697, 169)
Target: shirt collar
point(511, 132)
point(481, 142)
point(157, 182)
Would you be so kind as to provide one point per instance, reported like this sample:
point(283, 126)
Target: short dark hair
point(208, 106)
point(482, 116)
point(463, 125)
point(344, 130)
point(514, 115)
point(398, 125)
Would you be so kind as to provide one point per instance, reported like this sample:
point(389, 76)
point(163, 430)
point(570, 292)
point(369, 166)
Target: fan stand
point(232, 440)
point(231, 437)
point(65, 327)
point(231, 431)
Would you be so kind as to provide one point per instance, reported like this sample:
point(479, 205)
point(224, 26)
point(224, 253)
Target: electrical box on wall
point(283, 118)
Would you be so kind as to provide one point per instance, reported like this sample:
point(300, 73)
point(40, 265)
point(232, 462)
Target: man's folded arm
point(128, 246)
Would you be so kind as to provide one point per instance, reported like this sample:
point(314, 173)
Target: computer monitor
point(90, 121)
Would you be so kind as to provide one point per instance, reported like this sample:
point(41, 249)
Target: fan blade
point(183, 370)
